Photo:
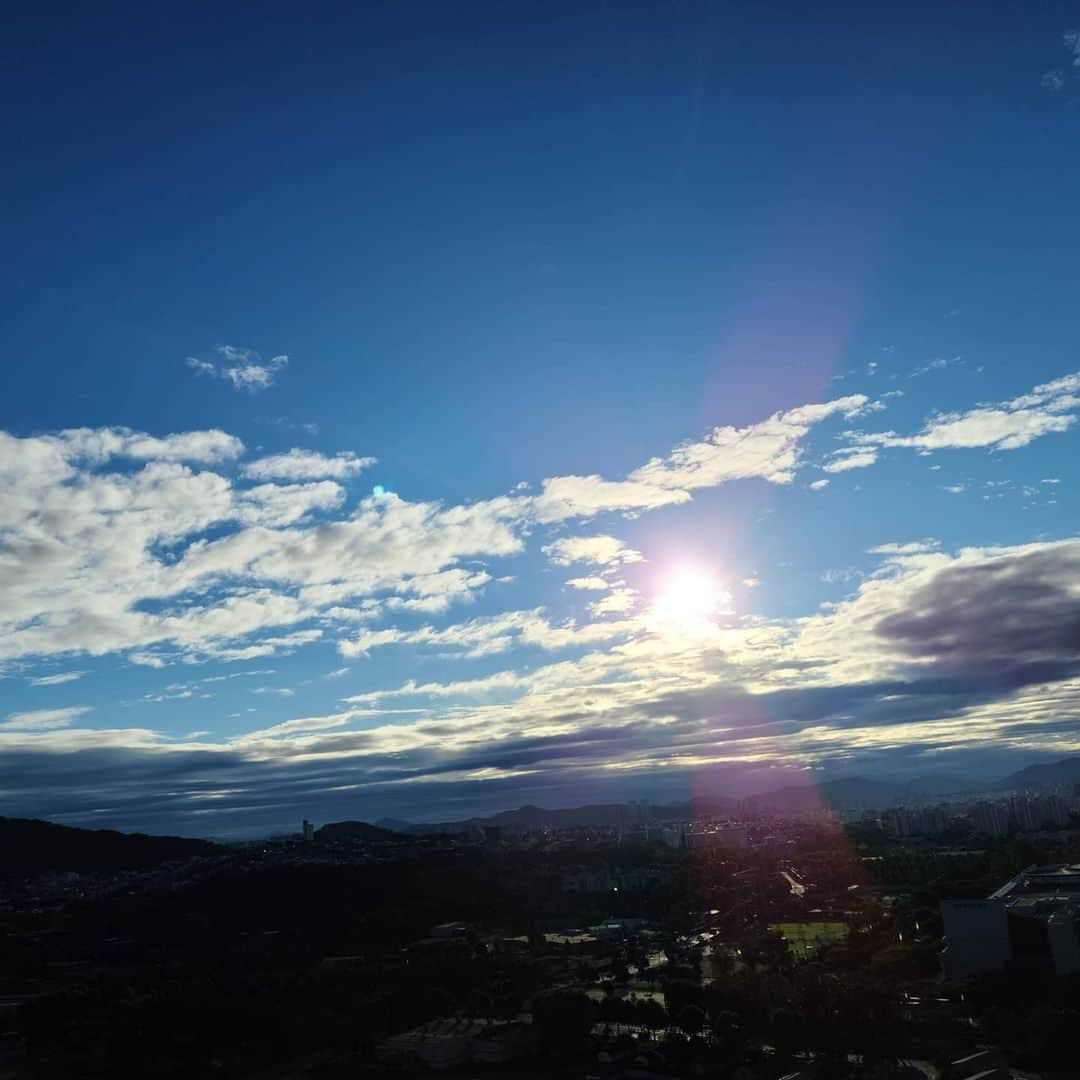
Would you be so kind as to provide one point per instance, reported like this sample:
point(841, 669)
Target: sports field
point(806, 938)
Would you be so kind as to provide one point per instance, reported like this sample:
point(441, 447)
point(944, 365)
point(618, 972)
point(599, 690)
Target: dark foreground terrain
point(811, 951)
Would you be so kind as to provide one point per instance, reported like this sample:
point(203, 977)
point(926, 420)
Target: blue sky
point(547, 403)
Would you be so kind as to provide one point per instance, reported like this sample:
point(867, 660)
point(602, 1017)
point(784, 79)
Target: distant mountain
point(847, 793)
point(609, 814)
point(843, 793)
point(596, 814)
point(31, 846)
point(928, 787)
point(1066, 771)
point(356, 830)
point(535, 817)
point(394, 824)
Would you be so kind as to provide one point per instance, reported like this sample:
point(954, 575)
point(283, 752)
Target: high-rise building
point(990, 818)
point(1032, 922)
point(309, 831)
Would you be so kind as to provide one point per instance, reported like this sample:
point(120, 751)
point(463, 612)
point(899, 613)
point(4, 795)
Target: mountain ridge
point(31, 845)
point(847, 793)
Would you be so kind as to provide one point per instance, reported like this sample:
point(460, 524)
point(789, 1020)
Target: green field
point(806, 938)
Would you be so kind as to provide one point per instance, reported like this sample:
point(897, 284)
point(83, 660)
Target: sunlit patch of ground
point(804, 939)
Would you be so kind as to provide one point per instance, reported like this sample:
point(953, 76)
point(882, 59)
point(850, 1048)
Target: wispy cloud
point(243, 369)
point(44, 719)
point(1056, 78)
point(597, 550)
point(850, 458)
point(937, 364)
point(57, 679)
point(911, 547)
point(299, 464)
point(1009, 425)
point(1072, 46)
point(770, 450)
point(597, 584)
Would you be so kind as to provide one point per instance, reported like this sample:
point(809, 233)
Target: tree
point(728, 1028)
point(691, 1020)
point(564, 1018)
point(785, 1032)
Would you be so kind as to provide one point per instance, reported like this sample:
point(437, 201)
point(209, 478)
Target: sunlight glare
point(689, 601)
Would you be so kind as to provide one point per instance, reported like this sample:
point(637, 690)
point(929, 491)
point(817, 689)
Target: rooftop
point(1055, 883)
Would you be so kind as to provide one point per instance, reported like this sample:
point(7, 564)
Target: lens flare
point(690, 601)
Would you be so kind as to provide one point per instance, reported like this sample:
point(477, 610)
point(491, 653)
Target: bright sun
point(689, 601)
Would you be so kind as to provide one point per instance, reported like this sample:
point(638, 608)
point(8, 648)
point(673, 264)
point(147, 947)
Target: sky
point(423, 410)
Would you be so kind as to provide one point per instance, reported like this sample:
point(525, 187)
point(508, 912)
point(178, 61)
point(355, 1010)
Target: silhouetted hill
point(1066, 771)
point(355, 830)
point(31, 846)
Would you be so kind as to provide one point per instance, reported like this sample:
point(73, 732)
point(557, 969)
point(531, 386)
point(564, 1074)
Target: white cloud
point(488, 635)
point(1072, 45)
point(841, 575)
point(244, 369)
point(57, 679)
point(113, 540)
point(584, 496)
point(770, 450)
point(912, 547)
point(818, 485)
point(932, 612)
point(501, 680)
point(598, 550)
point(145, 659)
point(277, 505)
point(1009, 425)
point(850, 458)
point(304, 725)
point(86, 553)
point(299, 464)
point(617, 602)
point(44, 719)
point(597, 584)
point(938, 364)
point(96, 446)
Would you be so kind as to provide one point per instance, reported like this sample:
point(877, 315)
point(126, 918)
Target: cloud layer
point(174, 549)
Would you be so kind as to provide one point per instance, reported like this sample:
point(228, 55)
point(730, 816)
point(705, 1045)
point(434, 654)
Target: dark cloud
point(1006, 622)
point(980, 631)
